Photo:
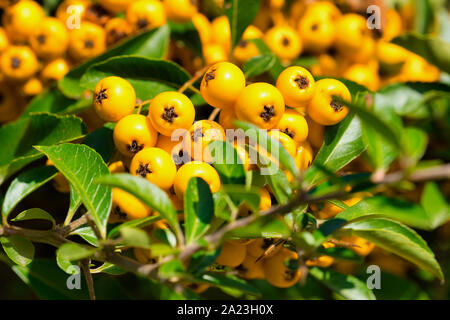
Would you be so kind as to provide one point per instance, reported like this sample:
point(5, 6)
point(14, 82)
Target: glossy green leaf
point(36, 276)
point(424, 16)
point(74, 205)
point(347, 286)
point(343, 143)
point(407, 98)
point(87, 234)
point(137, 223)
point(381, 151)
point(74, 252)
point(228, 281)
point(81, 165)
point(18, 138)
point(147, 76)
point(35, 214)
point(393, 208)
point(263, 227)
point(435, 205)
point(198, 209)
point(187, 34)
point(24, 184)
point(147, 192)
point(258, 65)
point(54, 101)
point(18, 249)
point(415, 141)
point(227, 162)
point(101, 140)
point(134, 237)
point(65, 265)
point(272, 145)
point(152, 44)
point(431, 48)
point(240, 14)
point(241, 194)
point(399, 239)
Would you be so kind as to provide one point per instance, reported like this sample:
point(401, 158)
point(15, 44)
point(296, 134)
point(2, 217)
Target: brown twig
point(191, 81)
point(87, 274)
point(214, 114)
point(441, 172)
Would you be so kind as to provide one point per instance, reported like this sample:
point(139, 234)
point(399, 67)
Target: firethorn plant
point(234, 146)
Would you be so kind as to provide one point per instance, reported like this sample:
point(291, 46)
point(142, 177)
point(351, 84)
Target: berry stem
point(190, 83)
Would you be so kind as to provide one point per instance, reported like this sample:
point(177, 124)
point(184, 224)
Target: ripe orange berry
point(296, 84)
point(196, 169)
point(134, 133)
point(218, 77)
point(261, 104)
point(294, 125)
point(114, 98)
point(170, 111)
point(323, 109)
point(156, 166)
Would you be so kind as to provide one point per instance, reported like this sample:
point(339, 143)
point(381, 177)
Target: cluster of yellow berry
point(342, 42)
point(151, 148)
point(36, 50)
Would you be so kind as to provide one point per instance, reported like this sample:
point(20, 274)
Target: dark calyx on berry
point(142, 23)
point(15, 62)
point(268, 113)
point(88, 44)
point(134, 147)
point(337, 107)
point(302, 82)
point(169, 114)
point(41, 38)
point(210, 75)
point(143, 170)
point(100, 96)
point(285, 42)
point(290, 133)
point(119, 212)
point(198, 134)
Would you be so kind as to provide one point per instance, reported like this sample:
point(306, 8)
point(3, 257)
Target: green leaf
point(398, 288)
point(277, 67)
point(74, 252)
point(381, 151)
point(147, 192)
point(65, 265)
point(397, 238)
point(306, 61)
point(346, 286)
point(279, 184)
point(18, 249)
point(188, 35)
point(198, 209)
point(37, 276)
point(53, 101)
point(228, 281)
point(87, 234)
point(137, 223)
point(240, 13)
point(24, 184)
point(263, 227)
point(134, 237)
point(152, 44)
point(258, 65)
point(170, 269)
point(432, 49)
point(74, 205)
point(270, 144)
point(415, 141)
point(343, 143)
point(407, 98)
point(240, 194)
point(393, 208)
point(35, 214)
point(227, 162)
point(340, 253)
point(81, 165)
point(18, 138)
point(101, 140)
point(148, 77)
point(435, 205)
point(424, 16)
